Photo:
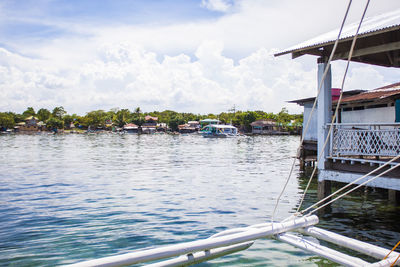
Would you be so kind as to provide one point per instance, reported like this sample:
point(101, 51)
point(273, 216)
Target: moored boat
point(219, 131)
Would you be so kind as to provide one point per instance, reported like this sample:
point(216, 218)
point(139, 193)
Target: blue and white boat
point(219, 131)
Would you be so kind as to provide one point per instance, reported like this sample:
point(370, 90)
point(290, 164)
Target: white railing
point(362, 139)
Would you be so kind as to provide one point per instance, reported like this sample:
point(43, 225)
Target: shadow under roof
point(378, 42)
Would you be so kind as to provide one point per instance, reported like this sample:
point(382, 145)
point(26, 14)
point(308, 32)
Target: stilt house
point(363, 142)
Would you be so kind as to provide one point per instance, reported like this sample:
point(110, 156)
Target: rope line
point(350, 184)
point(313, 108)
point(337, 105)
point(351, 190)
point(398, 243)
point(395, 261)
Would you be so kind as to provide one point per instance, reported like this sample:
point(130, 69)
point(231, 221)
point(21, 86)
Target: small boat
point(219, 131)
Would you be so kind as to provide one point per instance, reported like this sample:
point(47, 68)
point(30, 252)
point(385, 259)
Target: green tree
point(175, 121)
point(6, 121)
point(81, 122)
point(55, 123)
point(58, 112)
point(283, 117)
point(224, 117)
point(96, 118)
point(137, 119)
point(43, 114)
point(122, 117)
point(68, 119)
point(244, 119)
point(138, 110)
point(29, 112)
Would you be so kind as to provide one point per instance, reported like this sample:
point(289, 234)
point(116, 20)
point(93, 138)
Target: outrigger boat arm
point(234, 240)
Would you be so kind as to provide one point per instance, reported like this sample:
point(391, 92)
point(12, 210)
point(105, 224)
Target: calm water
point(69, 198)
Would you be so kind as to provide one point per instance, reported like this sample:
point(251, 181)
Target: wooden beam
point(369, 50)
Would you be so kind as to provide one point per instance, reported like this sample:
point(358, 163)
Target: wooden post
point(324, 190)
point(394, 197)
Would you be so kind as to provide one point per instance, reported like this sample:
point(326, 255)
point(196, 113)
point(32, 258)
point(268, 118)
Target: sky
point(200, 56)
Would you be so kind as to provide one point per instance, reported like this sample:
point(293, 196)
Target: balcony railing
point(361, 139)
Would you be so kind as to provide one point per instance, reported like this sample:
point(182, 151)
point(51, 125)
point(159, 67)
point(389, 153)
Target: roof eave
point(315, 49)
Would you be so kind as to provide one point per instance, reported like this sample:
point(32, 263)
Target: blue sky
point(42, 19)
point(186, 55)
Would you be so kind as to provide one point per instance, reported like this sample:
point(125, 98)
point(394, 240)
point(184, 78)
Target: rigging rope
point(398, 243)
point(337, 105)
point(351, 190)
point(350, 184)
point(313, 108)
point(395, 261)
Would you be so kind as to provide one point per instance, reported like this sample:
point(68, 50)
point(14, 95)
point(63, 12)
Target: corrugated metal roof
point(130, 126)
point(263, 123)
point(375, 94)
point(369, 25)
point(148, 117)
point(311, 99)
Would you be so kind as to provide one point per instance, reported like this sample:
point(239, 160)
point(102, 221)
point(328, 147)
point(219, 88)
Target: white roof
point(369, 25)
point(209, 120)
point(222, 126)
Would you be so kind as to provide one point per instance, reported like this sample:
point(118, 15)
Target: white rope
point(350, 184)
point(337, 105)
point(351, 190)
point(312, 110)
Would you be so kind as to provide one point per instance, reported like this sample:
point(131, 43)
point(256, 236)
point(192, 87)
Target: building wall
point(373, 115)
point(312, 128)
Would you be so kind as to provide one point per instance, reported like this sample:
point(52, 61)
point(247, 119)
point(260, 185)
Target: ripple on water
point(74, 197)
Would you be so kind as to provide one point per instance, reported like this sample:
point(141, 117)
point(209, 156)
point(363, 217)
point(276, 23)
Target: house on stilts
point(366, 133)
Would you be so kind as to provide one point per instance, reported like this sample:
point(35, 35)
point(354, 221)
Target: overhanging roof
point(378, 42)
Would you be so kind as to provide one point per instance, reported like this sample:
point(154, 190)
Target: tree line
point(59, 118)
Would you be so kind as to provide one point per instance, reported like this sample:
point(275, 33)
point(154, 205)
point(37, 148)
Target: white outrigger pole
point(238, 239)
point(201, 250)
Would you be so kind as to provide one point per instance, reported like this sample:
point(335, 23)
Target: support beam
point(322, 251)
point(324, 111)
point(369, 50)
point(199, 257)
point(349, 243)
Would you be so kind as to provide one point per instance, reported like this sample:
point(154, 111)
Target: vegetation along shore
point(116, 119)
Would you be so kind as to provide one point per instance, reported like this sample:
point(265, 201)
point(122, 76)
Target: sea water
point(69, 198)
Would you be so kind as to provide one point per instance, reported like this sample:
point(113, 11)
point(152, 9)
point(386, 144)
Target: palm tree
point(138, 111)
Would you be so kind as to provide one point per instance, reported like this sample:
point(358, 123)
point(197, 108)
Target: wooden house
point(131, 128)
point(194, 124)
point(31, 124)
point(266, 126)
point(150, 126)
point(186, 128)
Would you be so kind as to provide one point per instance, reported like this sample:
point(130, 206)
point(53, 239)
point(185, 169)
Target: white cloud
point(128, 76)
point(216, 5)
point(360, 77)
point(201, 66)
